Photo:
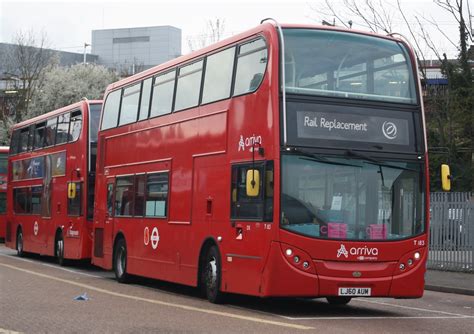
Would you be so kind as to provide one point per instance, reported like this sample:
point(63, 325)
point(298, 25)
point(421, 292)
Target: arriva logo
point(365, 251)
point(342, 251)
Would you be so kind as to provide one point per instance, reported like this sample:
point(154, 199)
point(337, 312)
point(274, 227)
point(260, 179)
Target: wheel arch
point(118, 236)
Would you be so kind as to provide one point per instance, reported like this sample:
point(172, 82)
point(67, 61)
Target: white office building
point(131, 50)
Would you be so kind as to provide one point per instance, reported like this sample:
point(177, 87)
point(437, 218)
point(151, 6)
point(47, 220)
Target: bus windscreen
point(347, 65)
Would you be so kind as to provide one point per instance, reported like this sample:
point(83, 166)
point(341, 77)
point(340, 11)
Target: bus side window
point(245, 206)
point(75, 126)
point(157, 187)
point(62, 128)
point(39, 135)
point(251, 64)
point(111, 110)
point(124, 193)
point(129, 107)
point(23, 140)
point(218, 76)
point(50, 135)
point(74, 207)
point(139, 205)
point(110, 199)
point(15, 142)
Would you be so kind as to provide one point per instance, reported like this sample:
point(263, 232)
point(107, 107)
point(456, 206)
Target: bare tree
point(26, 62)
point(450, 116)
point(29, 59)
point(213, 32)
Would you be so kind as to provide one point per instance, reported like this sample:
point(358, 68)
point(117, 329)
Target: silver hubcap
point(20, 243)
point(121, 261)
point(212, 274)
point(60, 248)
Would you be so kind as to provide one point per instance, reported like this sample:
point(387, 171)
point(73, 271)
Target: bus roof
point(4, 149)
point(54, 112)
point(267, 26)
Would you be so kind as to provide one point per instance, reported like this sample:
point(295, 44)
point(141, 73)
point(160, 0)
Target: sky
point(68, 24)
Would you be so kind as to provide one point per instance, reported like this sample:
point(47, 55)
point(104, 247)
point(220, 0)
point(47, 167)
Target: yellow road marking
point(159, 302)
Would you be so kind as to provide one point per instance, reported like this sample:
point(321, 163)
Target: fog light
point(410, 262)
point(402, 266)
point(296, 259)
point(305, 265)
point(417, 256)
point(289, 252)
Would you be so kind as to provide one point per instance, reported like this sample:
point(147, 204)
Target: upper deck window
point(63, 128)
point(50, 135)
point(251, 63)
point(347, 65)
point(94, 119)
point(75, 126)
point(39, 135)
point(129, 109)
point(188, 86)
point(218, 77)
point(111, 110)
point(162, 99)
point(145, 99)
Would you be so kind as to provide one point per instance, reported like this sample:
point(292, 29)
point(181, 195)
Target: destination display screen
point(313, 125)
point(375, 129)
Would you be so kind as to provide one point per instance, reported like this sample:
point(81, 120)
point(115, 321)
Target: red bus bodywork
point(66, 160)
point(197, 147)
point(3, 191)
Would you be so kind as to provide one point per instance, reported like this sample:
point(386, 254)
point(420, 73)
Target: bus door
point(251, 214)
point(103, 227)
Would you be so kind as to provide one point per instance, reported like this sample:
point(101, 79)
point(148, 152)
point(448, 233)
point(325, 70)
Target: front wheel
point(120, 261)
point(19, 244)
point(212, 276)
point(338, 300)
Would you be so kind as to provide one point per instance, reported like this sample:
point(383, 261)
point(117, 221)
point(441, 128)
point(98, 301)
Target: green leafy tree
point(66, 85)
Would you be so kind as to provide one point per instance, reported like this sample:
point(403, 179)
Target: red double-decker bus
point(3, 189)
point(50, 193)
point(285, 161)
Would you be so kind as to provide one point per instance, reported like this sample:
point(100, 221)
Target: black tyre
point(338, 300)
point(59, 249)
point(120, 261)
point(19, 243)
point(211, 276)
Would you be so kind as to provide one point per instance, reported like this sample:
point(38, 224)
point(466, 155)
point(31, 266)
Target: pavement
point(450, 282)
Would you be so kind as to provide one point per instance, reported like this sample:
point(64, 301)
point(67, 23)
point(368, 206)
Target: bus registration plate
point(354, 291)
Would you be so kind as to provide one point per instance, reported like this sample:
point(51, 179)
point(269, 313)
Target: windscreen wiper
point(314, 157)
point(374, 161)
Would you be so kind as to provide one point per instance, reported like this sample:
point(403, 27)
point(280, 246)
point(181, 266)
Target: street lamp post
point(85, 46)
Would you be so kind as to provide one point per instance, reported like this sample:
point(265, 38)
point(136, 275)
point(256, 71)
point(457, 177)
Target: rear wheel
point(60, 249)
point(120, 261)
point(338, 300)
point(212, 276)
point(19, 243)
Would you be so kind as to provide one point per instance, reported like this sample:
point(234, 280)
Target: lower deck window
point(28, 200)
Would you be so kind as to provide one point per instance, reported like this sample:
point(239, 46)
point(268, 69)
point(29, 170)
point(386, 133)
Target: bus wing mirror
point(71, 190)
point(445, 177)
point(253, 183)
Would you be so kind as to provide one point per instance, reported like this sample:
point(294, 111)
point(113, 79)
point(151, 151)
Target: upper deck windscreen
point(347, 65)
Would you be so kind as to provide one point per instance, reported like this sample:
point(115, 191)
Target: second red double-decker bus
point(3, 189)
point(286, 161)
point(51, 182)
